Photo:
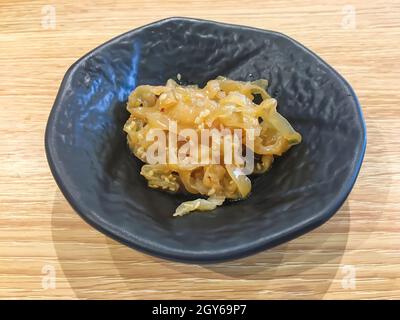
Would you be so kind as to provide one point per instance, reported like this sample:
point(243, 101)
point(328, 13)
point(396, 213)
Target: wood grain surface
point(47, 251)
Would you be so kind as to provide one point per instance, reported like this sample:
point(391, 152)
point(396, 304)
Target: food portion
point(240, 111)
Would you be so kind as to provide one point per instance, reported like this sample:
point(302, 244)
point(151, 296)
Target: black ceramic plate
point(89, 158)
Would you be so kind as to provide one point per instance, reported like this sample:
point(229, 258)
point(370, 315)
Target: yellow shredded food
point(222, 103)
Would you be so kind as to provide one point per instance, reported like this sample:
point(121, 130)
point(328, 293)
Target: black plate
point(88, 156)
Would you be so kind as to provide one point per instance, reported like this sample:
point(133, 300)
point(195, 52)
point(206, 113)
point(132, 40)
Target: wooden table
point(47, 251)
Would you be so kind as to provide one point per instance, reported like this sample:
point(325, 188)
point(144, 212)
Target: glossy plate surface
point(89, 158)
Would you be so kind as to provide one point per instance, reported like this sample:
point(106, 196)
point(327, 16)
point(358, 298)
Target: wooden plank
point(40, 235)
